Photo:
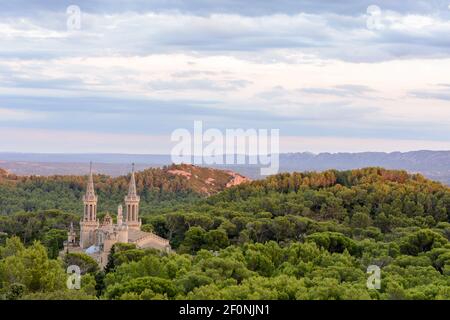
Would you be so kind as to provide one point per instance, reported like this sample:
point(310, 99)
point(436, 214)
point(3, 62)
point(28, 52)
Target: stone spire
point(90, 199)
point(132, 205)
point(132, 188)
point(89, 223)
point(90, 192)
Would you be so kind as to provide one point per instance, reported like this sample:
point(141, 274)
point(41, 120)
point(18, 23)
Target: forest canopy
point(291, 236)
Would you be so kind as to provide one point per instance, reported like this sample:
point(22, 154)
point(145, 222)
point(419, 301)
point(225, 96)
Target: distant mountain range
point(432, 164)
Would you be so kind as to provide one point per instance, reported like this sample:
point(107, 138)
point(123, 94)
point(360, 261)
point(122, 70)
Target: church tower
point(132, 205)
point(89, 222)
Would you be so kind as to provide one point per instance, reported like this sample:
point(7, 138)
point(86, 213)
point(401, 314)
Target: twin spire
point(132, 187)
point(131, 203)
point(90, 191)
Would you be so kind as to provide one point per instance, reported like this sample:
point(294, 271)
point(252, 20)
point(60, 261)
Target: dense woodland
point(157, 188)
point(290, 236)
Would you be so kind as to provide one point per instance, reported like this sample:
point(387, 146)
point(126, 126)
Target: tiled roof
point(135, 235)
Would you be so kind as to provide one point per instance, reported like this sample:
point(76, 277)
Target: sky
point(332, 76)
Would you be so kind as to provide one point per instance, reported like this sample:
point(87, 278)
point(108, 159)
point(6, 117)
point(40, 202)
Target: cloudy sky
point(331, 75)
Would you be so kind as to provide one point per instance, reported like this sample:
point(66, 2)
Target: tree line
point(290, 236)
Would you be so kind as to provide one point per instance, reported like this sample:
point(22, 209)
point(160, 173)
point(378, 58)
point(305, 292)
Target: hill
point(156, 186)
point(432, 164)
point(384, 199)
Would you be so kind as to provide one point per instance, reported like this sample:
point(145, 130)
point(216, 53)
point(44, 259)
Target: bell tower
point(132, 205)
point(89, 221)
point(90, 200)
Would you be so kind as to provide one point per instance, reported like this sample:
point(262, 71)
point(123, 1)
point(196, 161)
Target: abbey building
point(97, 238)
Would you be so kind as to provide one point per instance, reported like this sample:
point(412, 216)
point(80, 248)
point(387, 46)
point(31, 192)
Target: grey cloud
point(436, 95)
point(346, 90)
point(342, 109)
point(108, 114)
point(337, 35)
point(205, 7)
point(194, 73)
point(198, 84)
point(63, 83)
point(277, 92)
point(441, 91)
point(103, 104)
point(322, 33)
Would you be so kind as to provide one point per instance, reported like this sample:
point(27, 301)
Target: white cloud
point(323, 71)
point(326, 35)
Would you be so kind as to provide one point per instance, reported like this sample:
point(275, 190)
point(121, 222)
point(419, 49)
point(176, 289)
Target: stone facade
point(97, 239)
